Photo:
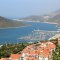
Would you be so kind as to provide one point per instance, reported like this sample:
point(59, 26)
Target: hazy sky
point(22, 8)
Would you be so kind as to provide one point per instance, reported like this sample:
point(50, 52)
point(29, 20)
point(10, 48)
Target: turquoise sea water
point(11, 35)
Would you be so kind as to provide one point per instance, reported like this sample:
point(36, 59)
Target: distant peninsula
point(7, 23)
point(53, 18)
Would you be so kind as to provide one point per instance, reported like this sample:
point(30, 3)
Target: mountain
point(55, 17)
point(33, 18)
point(4, 23)
point(52, 17)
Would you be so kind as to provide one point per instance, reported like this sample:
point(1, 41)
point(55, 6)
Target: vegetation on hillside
point(8, 49)
point(56, 54)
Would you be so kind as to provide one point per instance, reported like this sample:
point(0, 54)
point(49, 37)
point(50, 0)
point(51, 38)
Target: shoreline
point(51, 23)
point(14, 27)
point(29, 25)
point(39, 22)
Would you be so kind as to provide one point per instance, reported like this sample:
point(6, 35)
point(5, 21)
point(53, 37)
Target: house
point(43, 51)
point(14, 57)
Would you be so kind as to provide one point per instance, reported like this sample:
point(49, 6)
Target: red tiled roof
point(15, 56)
point(44, 49)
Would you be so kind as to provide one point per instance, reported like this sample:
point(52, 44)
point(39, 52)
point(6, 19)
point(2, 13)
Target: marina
point(40, 35)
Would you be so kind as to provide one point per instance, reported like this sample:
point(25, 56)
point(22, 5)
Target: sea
point(11, 35)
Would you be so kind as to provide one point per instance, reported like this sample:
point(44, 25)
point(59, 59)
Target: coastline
point(29, 25)
point(15, 37)
point(38, 21)
point(14, 27)
point(51, 23)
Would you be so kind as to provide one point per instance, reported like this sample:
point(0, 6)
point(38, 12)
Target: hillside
point(4, 23)
point(56, 19)
point(33, 18)
point(53, 17)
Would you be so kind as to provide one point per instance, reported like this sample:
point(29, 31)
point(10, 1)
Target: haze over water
point(23, 8)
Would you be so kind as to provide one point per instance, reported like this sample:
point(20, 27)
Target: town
point(42, 50)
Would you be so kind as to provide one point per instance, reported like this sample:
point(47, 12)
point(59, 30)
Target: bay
point(11, 35)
